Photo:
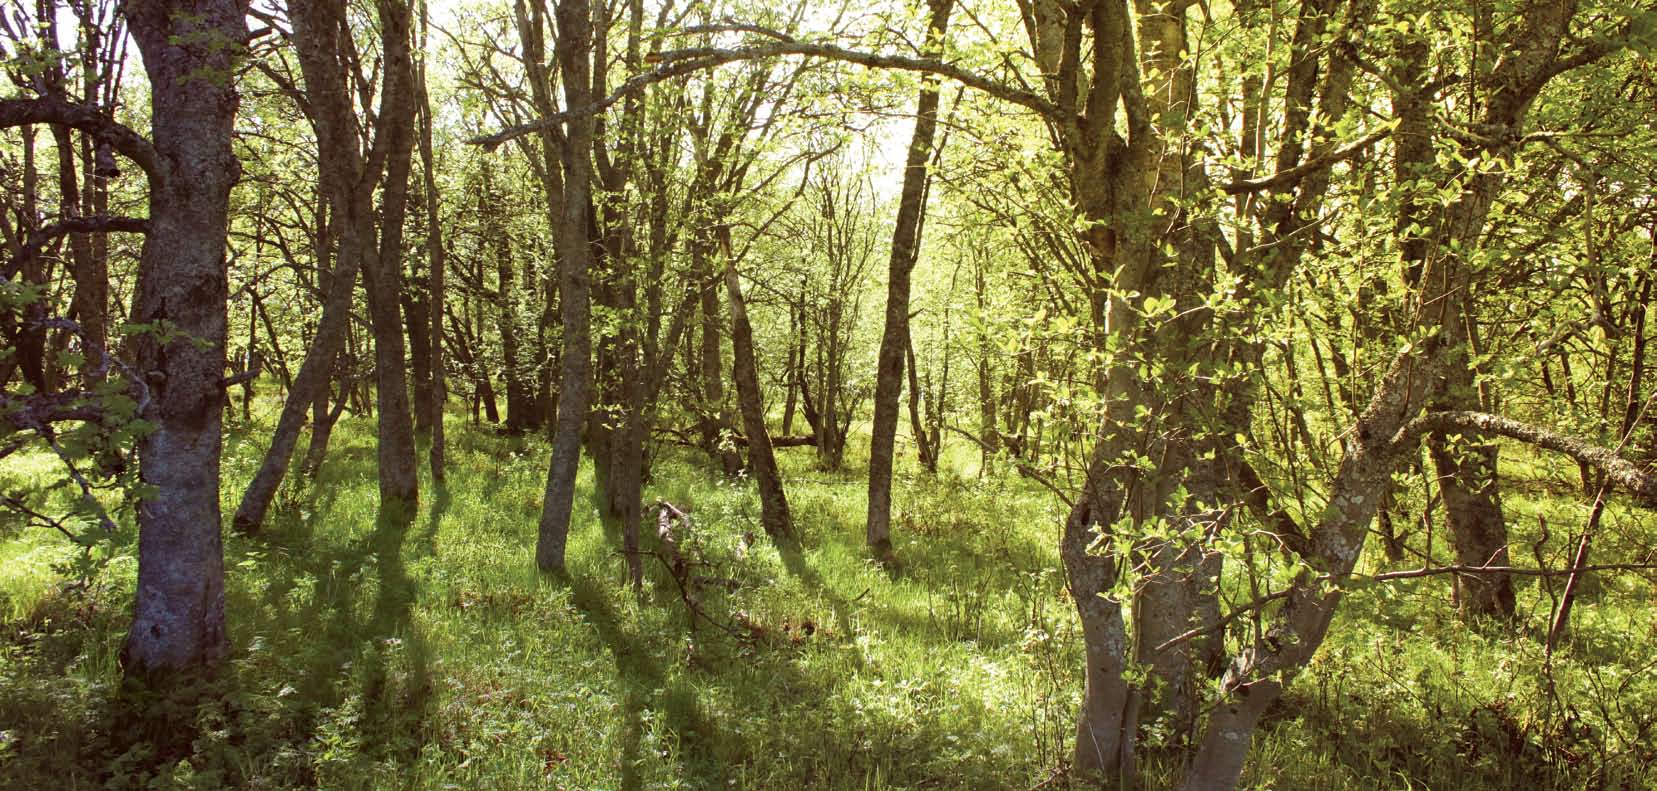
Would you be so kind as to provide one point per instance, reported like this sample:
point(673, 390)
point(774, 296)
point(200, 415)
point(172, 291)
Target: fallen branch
point(671, 556)
point(1023, 468)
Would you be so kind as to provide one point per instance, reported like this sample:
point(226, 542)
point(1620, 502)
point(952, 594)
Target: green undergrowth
point(369, 654)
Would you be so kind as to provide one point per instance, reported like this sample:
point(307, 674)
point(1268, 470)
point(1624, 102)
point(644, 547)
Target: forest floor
point(368, 655)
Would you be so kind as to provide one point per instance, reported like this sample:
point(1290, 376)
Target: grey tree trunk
point(1473, 508)
point(382, 271)
point(178, 613)
point(574, 52)
point(347, 184)
point(1105, 727)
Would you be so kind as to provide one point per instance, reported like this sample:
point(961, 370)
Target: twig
point(1023, 469)
point(17, 504)
point(104, 521)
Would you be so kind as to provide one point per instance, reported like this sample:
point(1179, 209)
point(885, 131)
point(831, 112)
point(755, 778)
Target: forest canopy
point(1171, 394)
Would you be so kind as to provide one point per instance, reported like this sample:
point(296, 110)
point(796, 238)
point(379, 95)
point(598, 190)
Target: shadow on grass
point(642, 676)
point(340, 615)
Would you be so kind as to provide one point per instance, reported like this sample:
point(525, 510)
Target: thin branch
point(17, 504)
point(1300, 171)
point(1023, 469)
point(1512, 570)
point(682, 62)
point(90, 499)
point(97, 224)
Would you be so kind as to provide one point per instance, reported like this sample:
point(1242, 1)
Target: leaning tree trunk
point(347, 185)
point(774, 515)
point(178, 619)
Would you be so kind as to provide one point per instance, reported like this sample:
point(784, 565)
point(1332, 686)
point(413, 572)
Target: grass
point(433, 656)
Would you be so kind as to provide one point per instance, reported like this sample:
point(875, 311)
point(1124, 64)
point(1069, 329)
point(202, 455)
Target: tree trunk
point(925, 451)
point(178, 620)
point(894, 341)
point(416, 311)
point(1105, 728)
point(774, 515)
point(1472, 506)
point(513, 369)
point(574, 51)
point(439, 390)
point(715, 420)
point(382, 272)
point(347, 183)
point(323, 419)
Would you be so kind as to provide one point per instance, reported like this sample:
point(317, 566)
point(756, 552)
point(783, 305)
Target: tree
point(574, 52)
point(895, 341)
point(190, 51)
point(348, 176)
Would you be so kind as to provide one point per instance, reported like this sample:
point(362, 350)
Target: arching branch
point(1287, 177)
point(681, 62)
point(96, 224)
point(131, 144)
point(1642, 484)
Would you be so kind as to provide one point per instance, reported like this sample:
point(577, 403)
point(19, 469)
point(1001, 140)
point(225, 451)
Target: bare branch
point(681, 62)
point(88, 119)
point(1513, 570)
point(39, 239)
point(1300, 171)
point(1641, 483)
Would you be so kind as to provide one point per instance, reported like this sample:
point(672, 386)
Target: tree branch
point(681, 62)
point(131, 144)
point(96, 224)
point(1642, 484)
point(1296, 173)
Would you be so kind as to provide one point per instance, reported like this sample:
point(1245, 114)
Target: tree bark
point(324, 416)
point(347, 183)
point(382, 271)
point(436, 264)
point(519, 397)
point(574, 52)
point(178, 613)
